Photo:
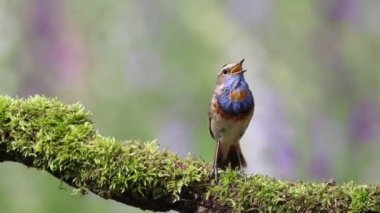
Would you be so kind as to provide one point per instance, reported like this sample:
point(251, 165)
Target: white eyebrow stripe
point(229, 66)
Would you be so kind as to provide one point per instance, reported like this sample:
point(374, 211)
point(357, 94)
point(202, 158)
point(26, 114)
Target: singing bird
point(231, 110)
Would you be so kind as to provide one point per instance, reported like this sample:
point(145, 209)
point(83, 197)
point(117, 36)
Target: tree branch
point(61, 139)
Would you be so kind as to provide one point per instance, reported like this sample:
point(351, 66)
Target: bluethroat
point(231, 110)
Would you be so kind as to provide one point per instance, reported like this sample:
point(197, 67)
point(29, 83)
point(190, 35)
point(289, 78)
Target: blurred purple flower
point(324, 138)
point(340, 10)
point(45, 18)
point(364, 121)
point(285, 159)
point(319, 166)
point(278, 133)
point(57, 53)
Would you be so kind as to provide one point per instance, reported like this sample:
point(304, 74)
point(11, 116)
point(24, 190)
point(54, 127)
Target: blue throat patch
point(235, 107)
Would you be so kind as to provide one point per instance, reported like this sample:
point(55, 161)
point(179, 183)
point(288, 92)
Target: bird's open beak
point(238, 68)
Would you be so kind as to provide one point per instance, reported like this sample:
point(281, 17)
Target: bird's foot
point(215, 173)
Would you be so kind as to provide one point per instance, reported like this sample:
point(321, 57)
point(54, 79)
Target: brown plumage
point(231, 109)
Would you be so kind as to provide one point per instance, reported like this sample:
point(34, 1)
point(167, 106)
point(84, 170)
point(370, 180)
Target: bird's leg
point(215, 160)
point(242, 170)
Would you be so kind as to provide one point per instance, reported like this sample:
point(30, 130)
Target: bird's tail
point(229, 155)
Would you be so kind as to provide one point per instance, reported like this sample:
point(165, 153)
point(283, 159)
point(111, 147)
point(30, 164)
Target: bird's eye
point(224, 71)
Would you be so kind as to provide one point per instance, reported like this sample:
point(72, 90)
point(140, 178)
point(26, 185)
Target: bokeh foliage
point(147, 70)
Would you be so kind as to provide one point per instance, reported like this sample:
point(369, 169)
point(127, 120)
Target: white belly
point(228, 131)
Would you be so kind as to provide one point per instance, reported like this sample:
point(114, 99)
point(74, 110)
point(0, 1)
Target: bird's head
point(228, 71)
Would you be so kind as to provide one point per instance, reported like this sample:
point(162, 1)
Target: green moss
point(61, 139)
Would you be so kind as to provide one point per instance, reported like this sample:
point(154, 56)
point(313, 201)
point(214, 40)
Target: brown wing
point(209, 124)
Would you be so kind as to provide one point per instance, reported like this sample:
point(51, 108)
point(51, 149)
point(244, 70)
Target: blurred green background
point(147, 69)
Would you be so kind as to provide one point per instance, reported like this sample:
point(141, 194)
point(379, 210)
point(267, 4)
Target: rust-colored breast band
point(228, 116)
point(238, 95)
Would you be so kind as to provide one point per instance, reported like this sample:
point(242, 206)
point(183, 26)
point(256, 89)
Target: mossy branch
point(61, 139)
